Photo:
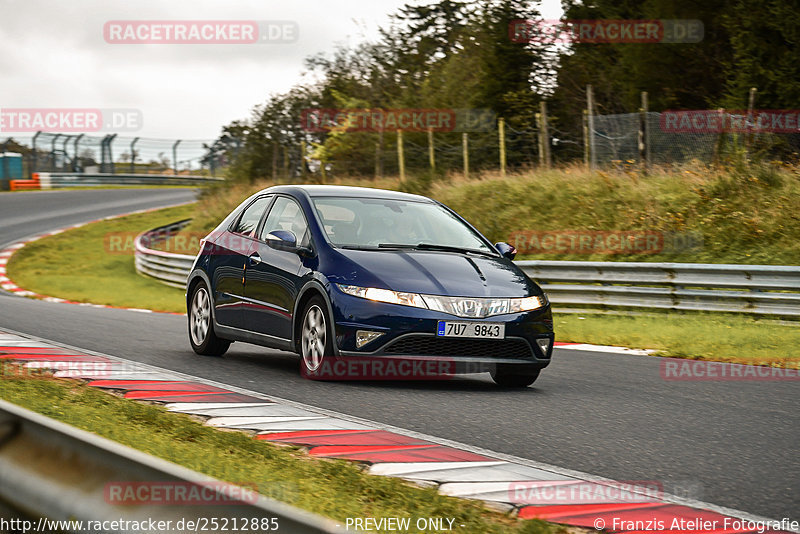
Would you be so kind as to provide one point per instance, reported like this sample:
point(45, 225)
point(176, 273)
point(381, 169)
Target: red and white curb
point(9, 285)
point(456, 469)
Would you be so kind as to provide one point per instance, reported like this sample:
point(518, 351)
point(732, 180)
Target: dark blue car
point(368, 284)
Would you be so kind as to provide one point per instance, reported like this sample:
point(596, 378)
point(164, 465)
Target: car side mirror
point(282, 240)
point(506, 250)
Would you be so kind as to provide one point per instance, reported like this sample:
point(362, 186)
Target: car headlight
point(384, 295)
point(458, 306)
point(527, 304)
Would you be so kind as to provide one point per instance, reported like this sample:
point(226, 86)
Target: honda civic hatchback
point(367, 284)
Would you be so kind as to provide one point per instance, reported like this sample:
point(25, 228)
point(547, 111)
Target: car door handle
point(254, 258)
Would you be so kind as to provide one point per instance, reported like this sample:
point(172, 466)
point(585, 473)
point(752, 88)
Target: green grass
point(698, 336)
point(747, 214)
point(334, 488)
point(94, 263)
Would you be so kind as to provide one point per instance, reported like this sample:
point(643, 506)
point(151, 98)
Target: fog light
point(544, 345)
point(365, 336)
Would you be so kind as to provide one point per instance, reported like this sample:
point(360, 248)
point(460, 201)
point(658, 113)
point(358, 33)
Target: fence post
point(545, 133)
point(586, 138)
point(64, 150)
point(53, 152)
point(76, 162)
point(275, 154)
point(401, 159)
point(715, 158)
point(644, 139)
point(379, 155)
point(751, 101)
point(111, 153)
point(5, 183)
point(175, 156)
point(133, 155)
point(431, 150)
point(501, 132)
point(539, 144)
point(465, 149)
point(302, 159)
point(590, 125)
point(34, 154)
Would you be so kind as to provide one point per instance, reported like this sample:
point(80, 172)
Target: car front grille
point(420, 345)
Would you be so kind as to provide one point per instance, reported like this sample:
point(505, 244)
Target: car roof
point(345, 191)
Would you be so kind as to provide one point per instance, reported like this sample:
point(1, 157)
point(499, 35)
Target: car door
point(272, 278)
point(229, 262)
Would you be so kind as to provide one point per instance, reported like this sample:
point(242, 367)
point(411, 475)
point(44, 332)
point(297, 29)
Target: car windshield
point(381, 223)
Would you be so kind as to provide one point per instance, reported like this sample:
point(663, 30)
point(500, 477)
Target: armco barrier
point(51, 180)
point(51, 470)
point(757, 289)
point(167, 267)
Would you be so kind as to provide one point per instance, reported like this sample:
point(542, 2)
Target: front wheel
point(511, 377)
point(201, 327)
point(316, 340)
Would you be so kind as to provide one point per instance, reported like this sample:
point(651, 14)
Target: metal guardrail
point(167, 267)
point(52, 180)
point(51, 470)
point(756, 289)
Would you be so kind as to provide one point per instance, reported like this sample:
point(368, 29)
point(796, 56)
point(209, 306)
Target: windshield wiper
point(358, 247)
point(441, 248)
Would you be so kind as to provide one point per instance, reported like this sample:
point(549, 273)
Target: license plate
point(479, 330)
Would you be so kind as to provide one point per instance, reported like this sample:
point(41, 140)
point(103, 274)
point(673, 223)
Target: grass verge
point(333, 488)
point(94, 263)
point(698, 336)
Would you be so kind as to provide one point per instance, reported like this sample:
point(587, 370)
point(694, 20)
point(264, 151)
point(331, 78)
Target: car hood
point(434, 273)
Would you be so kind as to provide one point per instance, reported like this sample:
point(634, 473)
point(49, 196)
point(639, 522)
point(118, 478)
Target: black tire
point(202, 337)
point(514, 377)
point(316, 340)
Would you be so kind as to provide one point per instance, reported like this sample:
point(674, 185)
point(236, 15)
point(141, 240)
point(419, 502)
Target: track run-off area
point(729, 443)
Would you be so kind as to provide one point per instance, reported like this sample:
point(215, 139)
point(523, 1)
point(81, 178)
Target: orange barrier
point(26, 185)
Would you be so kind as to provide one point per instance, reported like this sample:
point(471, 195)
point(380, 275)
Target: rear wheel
point(201, 326)
point(514, 377)
point(316, 340)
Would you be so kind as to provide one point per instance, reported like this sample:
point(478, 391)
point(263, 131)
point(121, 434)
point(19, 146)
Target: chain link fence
point(615, 140)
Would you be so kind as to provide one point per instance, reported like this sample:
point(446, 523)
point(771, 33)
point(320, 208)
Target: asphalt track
point(733, 444)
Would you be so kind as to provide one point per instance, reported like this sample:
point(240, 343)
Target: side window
point(286, 214)
point(251, 215)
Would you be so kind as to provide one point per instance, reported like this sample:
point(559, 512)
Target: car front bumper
point(409, 335)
